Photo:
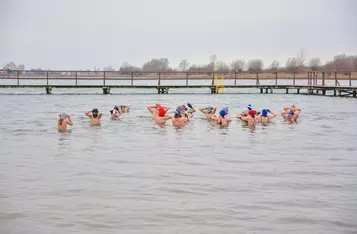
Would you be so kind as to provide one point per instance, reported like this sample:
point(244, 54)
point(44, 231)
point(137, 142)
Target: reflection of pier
point(337, 83)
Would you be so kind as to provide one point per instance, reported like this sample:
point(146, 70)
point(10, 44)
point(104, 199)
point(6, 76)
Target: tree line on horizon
point(296, 64)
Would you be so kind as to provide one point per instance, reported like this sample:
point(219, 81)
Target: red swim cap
point(252, 112)
point(158, 106)
point(162, 112)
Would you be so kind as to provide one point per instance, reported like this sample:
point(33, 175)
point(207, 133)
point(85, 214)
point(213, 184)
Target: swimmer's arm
point(69, 122)
point(245, 118)
point(203, 110)
point(166, 108)
point(214, 110)
point(100, 115)
point(151, 108)
point(273, 115)
point(88, 114)
point(239, 116)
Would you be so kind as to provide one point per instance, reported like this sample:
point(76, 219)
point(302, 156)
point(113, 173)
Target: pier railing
point(78, 77)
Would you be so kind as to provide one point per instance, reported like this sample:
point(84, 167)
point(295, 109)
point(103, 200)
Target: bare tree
point(301, 59)
point(20, 67)
point(275, 65)
point(315, 64)
point(212, 59)
point(222, 67)
point(184, 64)
point(161, 64)
point(238, 65)
point(108, 68)
point(255, 65)
point(126, 67)
point(339, 61)
point(292, 65)
point(10, 66)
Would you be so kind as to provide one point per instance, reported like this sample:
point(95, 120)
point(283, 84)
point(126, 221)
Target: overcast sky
point(81, 34)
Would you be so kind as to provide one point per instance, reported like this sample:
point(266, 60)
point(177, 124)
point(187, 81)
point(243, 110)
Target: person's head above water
point(95, 112)
point(249, 107)
point(223, 112)
point(116, 108)
point(63, 115)
point(252, 113)
point(157, 106)
point(162, 112)
point(265, 113)
point(290, 112)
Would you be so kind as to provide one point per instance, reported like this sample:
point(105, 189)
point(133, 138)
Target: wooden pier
point(311, 83)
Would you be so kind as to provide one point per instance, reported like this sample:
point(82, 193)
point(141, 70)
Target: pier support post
point(287, 91)
point(213, 90)
point(266, 90)
point(106, 90)
point(354, 93)
point(334, 92)
point(324, 92)
point(48, 90)
point(271, 90)
point(261, 90)
point(298, 91)
point(339, 93)
point(310, 91)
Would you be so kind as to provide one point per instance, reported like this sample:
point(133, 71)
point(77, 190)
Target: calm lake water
point(131, 176)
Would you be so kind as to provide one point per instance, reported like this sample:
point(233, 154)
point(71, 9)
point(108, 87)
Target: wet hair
point(95, 113)
point(116, 108)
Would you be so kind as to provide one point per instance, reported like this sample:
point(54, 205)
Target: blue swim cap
point(223, 113)
point(265, 112)
point(186, 108)
point(249, 107)
point(291, 112)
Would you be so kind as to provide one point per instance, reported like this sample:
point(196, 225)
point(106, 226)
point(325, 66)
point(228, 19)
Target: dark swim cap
point(95, 110)
point(291, 112)
point(265, 112)
point(223, 113)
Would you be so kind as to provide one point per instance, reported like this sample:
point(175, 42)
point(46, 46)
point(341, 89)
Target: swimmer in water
point(244, 113)
point(63, 121)
point(161, 116)
point(94, 116)
point(190, 110)
point(291, 114)
point(179, 120)
point(186, 112)
point(265, 116)
point(209, 111)
point(124, 108)
point(115, 114)
point(251, 118)
point(222, 118)
point(154, 110)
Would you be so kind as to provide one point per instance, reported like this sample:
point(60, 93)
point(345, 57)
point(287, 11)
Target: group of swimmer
point(183, 114)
